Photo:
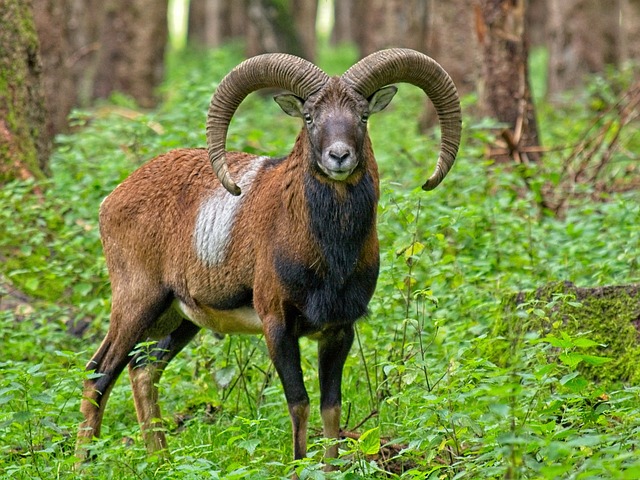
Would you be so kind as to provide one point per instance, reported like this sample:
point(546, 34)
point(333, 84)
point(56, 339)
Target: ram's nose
point(340, 153)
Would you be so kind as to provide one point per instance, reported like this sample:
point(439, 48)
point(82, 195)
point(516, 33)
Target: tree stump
point(608, 315)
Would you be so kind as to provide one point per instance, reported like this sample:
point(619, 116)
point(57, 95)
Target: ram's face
point(336, 121)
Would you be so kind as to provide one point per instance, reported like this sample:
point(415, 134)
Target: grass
point(424, 376)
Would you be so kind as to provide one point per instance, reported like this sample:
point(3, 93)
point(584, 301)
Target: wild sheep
point(295, 255)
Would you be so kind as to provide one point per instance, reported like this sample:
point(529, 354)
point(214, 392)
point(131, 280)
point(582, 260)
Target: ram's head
point(336, 109)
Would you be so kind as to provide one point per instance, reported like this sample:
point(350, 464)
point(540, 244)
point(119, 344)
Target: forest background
point(502, 339)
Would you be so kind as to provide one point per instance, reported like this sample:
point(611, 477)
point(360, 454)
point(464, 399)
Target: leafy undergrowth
point(424, 394)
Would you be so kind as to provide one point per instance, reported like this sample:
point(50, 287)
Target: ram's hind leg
point(129, 322)
point(145, 370)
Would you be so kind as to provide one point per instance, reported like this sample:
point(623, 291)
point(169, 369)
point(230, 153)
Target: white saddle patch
point(216, 217)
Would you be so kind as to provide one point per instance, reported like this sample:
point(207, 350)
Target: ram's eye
point(364, 117)
point(307, 118)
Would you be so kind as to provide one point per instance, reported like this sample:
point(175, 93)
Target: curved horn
point(269, 70)
point(405, 65)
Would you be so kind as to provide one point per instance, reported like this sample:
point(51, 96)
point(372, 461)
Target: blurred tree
point(91, 48)
point(536, 18)
point(268, 26)
point(305, 16)
point(443, 30)
point(85, 19)
point(389, 23)
point(282, 26)
point(345, 22)
point(453, 42)
point(24, 143)
point(630, 21)
point(585, 35)
point(582, 39)
point(53, 33)
point(213, 22)
point(132, 43)
point(504, 90)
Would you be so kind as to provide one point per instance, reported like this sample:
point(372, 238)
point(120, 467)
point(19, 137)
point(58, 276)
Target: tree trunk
point(91, 48)
point(583, 37)
point(537, 20)
point(305, 15)
point(453, 43)
point(275, 26)
point(236, 18)
point(56, 51)
point(630, 33)
point(345, 22)
point(86, 21)
point(213, 22)
point(132, 46)
point(504, 89)
point(69, 35)
point(205, 23)
point(392, 23)
point(24, 143)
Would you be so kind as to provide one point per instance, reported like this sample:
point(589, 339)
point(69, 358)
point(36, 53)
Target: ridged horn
point(275, 70)
point(405, 65)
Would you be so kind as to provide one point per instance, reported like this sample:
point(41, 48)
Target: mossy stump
point(608, 315)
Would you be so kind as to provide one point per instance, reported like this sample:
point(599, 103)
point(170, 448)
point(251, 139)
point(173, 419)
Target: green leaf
point(584, 343)
point(249, 445)
point(43, 397)
point(571, 359)
point(22, 416)
point(538, 312)
point(595, 360)
point(409, 377)
point(556, 342)
point(585, 441)
point(34, 369)
point(574, 382)
point(370, 441)
point(387, 369)
point(414, 249)
point(568, 377)
point(83, 289)
point(32, 284)
point(224, 376)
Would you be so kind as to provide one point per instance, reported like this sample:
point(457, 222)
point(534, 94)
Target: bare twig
point(587, 160)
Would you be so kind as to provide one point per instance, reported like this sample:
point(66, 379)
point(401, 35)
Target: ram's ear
point(290, 104)
point(381, 98)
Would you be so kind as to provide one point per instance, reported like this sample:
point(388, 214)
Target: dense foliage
point(427, 375)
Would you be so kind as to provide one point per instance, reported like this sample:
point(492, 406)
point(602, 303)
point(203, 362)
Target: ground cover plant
point(431, 389)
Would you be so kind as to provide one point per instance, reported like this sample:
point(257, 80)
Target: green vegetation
point(428, 375)
point(608, 316)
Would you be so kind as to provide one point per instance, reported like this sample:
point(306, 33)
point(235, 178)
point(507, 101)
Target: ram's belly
point(238, 320)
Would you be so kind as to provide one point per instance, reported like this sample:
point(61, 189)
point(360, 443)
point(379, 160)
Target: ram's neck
point(338, 217)
point(341, 218)
point(327, 261)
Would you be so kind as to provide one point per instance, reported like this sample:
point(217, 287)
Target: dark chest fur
point(339, 286)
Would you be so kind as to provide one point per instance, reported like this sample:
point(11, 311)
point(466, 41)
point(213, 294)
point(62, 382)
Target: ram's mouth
point(337, 174)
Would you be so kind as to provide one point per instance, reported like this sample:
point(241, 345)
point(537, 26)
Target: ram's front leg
point(284, 351)
point(333, 349)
